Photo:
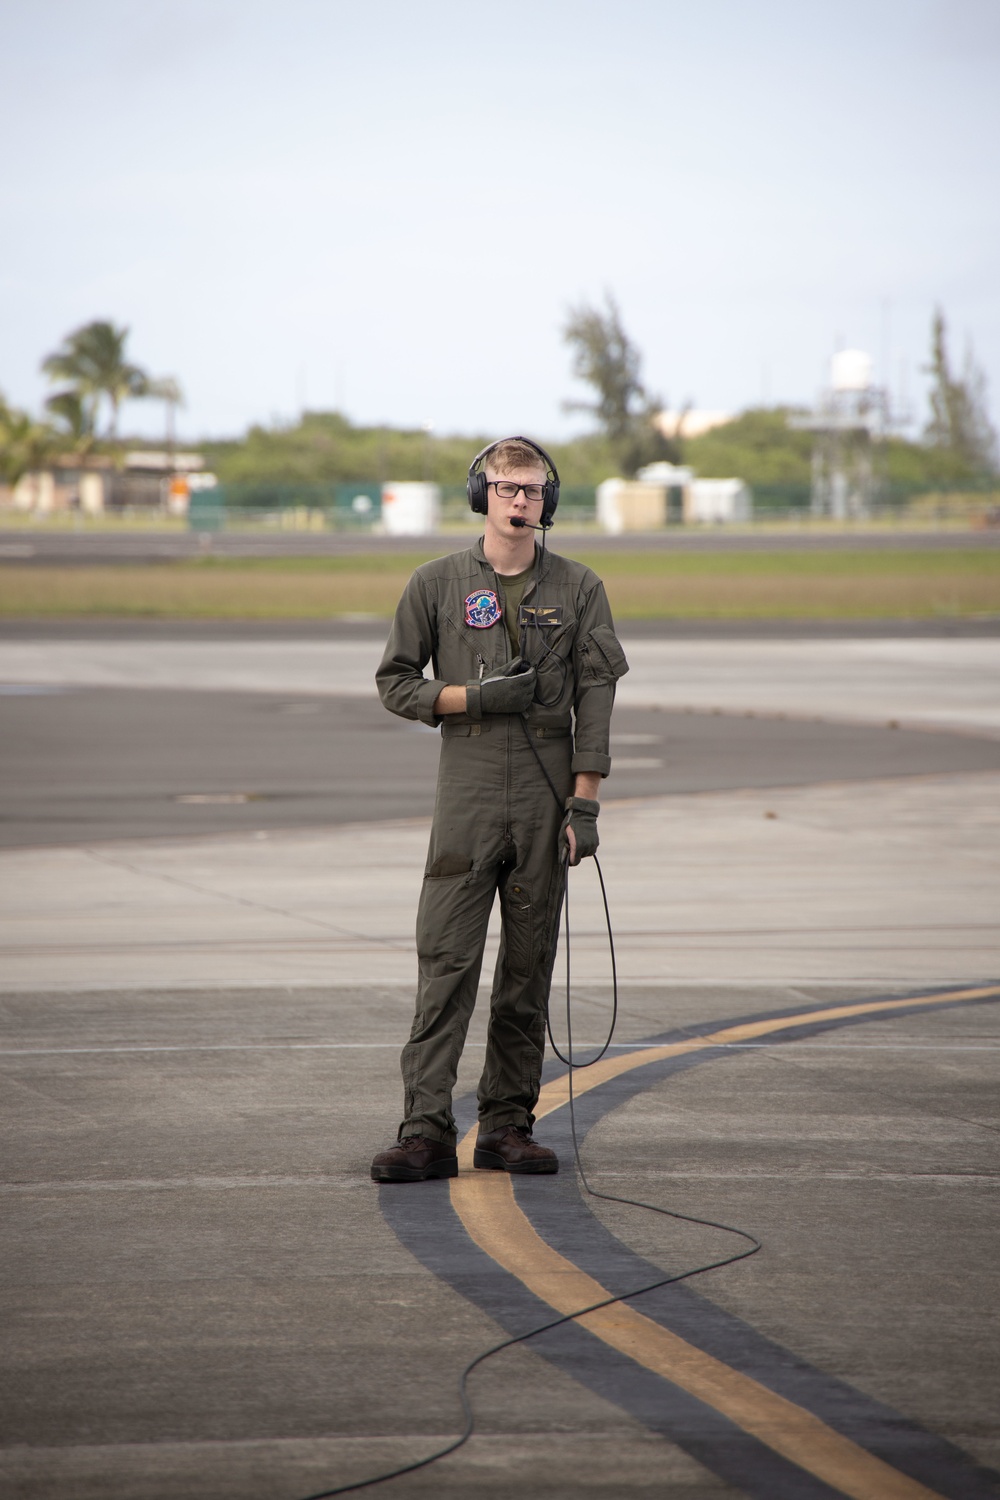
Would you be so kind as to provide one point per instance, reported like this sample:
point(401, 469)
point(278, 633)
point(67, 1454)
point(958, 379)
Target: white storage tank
point(718, 500)
point(410, 508)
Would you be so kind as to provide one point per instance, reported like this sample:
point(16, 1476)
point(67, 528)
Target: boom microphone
point(518, 521)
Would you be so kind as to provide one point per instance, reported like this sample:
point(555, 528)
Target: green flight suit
point(496, 819)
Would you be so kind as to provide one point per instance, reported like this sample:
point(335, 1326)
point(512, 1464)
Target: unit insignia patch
point(482, 609)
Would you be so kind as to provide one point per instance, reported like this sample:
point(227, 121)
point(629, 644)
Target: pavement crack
point(34, 1090)
point(905, 1101)
point(247, 901)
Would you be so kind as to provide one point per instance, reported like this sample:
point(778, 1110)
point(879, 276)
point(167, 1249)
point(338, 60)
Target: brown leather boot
point(511, 1149)
point(415, 1159)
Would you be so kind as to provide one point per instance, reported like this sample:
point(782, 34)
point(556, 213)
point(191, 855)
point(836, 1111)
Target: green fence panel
point(358, 502)
point(206, 511)
point(342, 506)
point(781, 496)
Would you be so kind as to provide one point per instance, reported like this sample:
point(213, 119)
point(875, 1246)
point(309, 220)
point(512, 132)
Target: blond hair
point(512, 453)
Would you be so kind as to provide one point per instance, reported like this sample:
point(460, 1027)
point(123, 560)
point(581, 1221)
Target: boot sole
point(446, 1168)
point(492, 1161)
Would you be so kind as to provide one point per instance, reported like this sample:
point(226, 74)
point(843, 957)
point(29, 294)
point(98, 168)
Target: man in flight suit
point(524, 660)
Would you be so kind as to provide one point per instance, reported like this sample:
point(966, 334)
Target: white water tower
point(851, 370)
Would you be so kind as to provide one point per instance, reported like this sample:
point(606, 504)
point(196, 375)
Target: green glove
point(581, 816)
point(508, 691)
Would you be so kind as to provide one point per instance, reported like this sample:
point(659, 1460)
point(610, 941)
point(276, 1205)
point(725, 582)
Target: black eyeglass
point(507, 489)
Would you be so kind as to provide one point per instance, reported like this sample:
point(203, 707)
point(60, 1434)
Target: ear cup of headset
point(549, 501)
point(477, 489)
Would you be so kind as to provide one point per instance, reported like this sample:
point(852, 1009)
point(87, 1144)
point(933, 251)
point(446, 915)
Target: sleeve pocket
point(603, 659)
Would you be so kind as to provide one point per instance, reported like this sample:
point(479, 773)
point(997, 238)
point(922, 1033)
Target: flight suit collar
point(542, 560)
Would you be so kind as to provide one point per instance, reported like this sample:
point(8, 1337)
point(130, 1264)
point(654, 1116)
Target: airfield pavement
point(212, 849)
point(80, 546)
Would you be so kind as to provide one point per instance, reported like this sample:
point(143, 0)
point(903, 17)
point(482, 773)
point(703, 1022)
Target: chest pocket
point(546, 643)
point(482, 645)
point(602, 659)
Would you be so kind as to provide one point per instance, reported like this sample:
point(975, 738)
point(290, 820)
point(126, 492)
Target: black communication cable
point(753, 1246)
point(564, 903)
point(546, 650)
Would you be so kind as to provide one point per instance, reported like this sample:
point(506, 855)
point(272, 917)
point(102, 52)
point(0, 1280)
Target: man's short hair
point(511, 453)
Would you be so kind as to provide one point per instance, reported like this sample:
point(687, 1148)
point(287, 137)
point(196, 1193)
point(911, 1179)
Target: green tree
point(605, 358)
point(959, 423)
point(774, 456)
point(324, 448)
point(24, 443)
point(92, 362)
point(758, 446)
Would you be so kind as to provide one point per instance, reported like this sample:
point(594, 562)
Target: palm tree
point(69, 408)
point(166, 389)
point(92, 359)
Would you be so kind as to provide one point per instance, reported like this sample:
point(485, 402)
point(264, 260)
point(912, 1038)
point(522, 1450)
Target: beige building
point(691, 422)
point(146, 480)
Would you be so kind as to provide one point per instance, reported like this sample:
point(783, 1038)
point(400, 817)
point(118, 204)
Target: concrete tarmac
point(204, 1294)
point(108, 763)
point(914, 681)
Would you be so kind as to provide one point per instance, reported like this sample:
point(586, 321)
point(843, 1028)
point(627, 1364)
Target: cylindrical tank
point(410, 508)
point(851, 370)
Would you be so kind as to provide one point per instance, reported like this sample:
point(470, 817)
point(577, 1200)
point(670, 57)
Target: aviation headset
point(477, 486)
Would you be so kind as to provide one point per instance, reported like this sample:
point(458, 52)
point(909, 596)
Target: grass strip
point(841, 584)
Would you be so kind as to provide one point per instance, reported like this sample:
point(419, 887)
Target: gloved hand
point(581, 816)
point(507, 691)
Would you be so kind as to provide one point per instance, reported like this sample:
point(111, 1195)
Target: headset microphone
point(517, 521)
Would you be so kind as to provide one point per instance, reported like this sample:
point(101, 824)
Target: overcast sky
point(389, 207)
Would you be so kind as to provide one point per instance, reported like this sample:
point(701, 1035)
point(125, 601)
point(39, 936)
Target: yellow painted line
point(485, 1203)
point(556, 1094)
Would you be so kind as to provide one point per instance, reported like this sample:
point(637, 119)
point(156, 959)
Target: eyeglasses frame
point(531, 499)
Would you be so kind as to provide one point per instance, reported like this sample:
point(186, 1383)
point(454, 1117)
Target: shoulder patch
point(482, 609)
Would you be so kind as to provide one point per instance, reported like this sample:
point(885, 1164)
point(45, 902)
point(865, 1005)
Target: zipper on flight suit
point(508, 837)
